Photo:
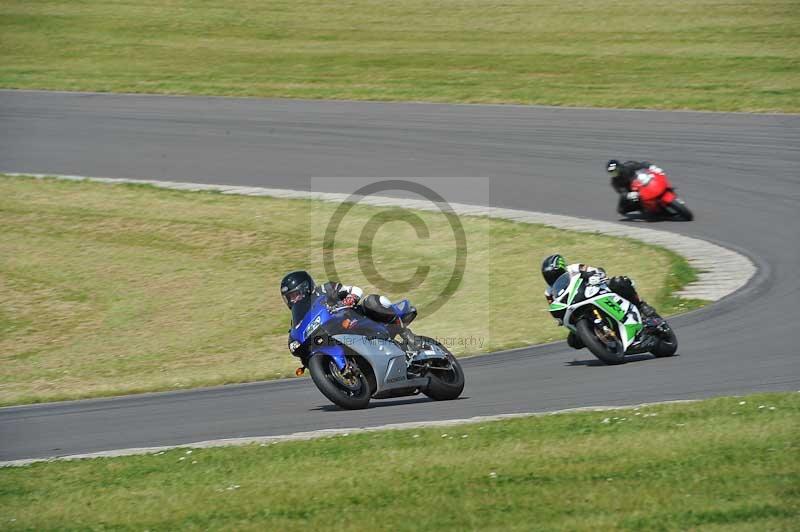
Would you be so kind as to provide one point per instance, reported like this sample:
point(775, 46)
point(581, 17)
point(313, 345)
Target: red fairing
point(654, 189)
point(668, 197)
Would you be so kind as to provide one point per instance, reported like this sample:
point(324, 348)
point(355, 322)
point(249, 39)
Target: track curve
point(737, 171)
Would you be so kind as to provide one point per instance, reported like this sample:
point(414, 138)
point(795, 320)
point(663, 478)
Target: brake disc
point(348, 379)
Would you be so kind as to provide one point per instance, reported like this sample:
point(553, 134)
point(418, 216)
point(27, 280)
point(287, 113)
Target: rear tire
point(667, 346)
point(327, 383)
point(680, 210)
point(587, 335)
point(444, 385)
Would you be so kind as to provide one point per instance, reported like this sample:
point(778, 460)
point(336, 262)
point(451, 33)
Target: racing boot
point(653, 324)
point(646, 310)
point(411, 343)
point(650, 319)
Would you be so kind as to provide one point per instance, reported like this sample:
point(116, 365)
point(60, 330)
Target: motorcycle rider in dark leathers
point(622, 175)
point(555, 265)
point(298, 285)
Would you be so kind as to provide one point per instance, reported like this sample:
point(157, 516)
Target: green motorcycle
point(609, 325)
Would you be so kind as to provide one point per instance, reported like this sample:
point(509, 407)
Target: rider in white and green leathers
point(555, 266)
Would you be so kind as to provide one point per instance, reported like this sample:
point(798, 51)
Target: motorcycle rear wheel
point(323, 375)
point(586, 332)
point(444, 385)
point(666, 346)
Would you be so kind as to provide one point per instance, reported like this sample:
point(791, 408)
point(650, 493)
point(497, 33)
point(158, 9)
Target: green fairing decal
point(574, 291)
point(611, 307)
point(632, 329)
point(557, 306)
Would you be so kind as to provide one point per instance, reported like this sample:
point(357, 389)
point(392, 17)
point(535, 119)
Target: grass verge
point(107, 290)
point(704, 54)
point(721, 464)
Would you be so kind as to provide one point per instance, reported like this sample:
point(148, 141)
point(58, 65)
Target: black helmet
point(553, 267)
point(296, 286)
point(613, 167)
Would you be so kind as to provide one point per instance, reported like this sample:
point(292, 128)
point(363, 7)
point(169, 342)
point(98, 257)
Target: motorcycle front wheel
point(351, 391)
point(679, 211)
point(608, 354)
point(445, 384)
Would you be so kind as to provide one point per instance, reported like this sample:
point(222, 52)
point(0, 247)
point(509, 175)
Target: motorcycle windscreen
point(560, 286)
point(301, 308)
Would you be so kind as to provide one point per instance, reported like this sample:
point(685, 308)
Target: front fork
point(608, 332)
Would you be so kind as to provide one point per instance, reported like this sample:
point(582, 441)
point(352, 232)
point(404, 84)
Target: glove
point(632, 196)
point(350, 300)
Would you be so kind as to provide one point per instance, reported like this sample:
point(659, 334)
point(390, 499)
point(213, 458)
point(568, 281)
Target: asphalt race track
point(739, 173)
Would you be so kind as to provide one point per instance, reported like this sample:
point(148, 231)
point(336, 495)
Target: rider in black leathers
point(622, 175)
point(299, 285)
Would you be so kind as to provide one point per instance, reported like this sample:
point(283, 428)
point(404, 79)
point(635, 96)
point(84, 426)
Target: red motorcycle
point(657, 196)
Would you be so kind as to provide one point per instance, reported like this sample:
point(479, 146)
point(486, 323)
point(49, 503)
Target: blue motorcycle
point(357, 356)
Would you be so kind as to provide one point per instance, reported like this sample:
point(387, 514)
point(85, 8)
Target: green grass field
point(118, 289)
point(700, 54)
point(730, 464)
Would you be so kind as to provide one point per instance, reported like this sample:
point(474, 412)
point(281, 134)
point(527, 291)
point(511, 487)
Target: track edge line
point(317, 434)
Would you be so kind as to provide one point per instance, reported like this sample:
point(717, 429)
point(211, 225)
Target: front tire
point(680, 211)
point(353, 393)
point(587, 335)
point(444, 385)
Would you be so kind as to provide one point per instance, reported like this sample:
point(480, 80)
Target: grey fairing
point(388, 361)
point(433, 352)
